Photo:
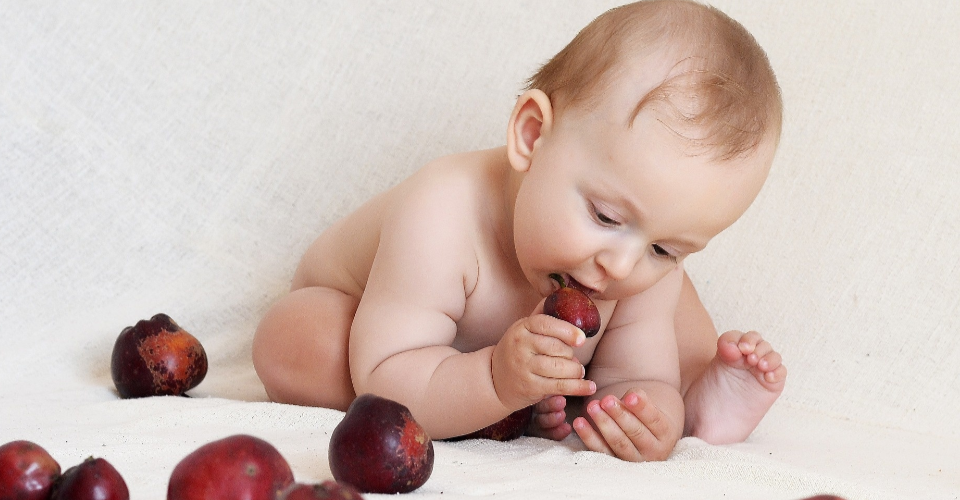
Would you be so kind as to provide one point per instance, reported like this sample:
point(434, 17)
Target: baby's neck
point(507, 184)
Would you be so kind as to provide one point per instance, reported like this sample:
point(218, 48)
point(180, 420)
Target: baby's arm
point(637, 412)
point(400, 342)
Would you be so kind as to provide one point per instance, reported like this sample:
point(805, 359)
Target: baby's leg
point(300, 348)
point(696, 335)
point(736, 390)
point(728, 384)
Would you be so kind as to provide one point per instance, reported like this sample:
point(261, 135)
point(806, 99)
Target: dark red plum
point(327, 490)
point(573, 306)
point(27, 471)
point(379, 448)
point(511, 427)
point(93, 479)
point(235, 467)
point(156, 357)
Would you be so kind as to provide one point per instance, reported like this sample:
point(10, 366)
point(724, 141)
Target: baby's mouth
point(576, 285)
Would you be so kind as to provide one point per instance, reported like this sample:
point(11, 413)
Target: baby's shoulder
point(449, 191)
point(437, 216)
point(445, 201)
point(451, 177)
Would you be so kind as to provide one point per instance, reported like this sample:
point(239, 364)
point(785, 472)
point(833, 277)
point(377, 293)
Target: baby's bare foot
point(736, 390)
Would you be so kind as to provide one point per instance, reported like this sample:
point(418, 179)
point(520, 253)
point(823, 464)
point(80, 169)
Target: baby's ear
point(531, 118)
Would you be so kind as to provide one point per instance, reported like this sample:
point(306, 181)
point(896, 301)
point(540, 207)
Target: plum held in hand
point(156, 357)
point(27, 471)
point(573, 306)
point(327, 490)
point(379, 448)
point(511, 427)
point(235, 467)
point(94, 479)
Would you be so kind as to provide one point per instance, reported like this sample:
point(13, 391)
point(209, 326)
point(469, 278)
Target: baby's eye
point(662, 252)
point(603, 218)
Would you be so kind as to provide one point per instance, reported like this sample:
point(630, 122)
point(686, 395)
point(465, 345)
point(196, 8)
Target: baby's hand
point(632, 429)
point(550, 419)
point(534, 359)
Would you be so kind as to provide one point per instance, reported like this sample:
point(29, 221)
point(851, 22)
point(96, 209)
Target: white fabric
point(179, 156)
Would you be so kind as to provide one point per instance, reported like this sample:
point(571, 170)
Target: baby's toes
point(759, 354)
point(728, 349)
point(776, 376)
point(749, 342)
point(769, 361)
point(730, 337)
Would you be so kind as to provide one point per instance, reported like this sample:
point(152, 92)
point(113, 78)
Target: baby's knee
point(268, 358)
point(300, 346)
point(268, 337)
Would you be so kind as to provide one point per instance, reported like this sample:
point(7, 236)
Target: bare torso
point(496, 294)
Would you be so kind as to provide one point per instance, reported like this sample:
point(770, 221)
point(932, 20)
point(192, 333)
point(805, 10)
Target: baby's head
point(711, 76)
point(648, 135)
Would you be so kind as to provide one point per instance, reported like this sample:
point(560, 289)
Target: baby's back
point(341, 258)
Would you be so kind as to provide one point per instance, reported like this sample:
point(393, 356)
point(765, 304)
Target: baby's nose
point(619, 262)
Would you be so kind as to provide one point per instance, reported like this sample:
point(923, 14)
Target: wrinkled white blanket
point(179, 156)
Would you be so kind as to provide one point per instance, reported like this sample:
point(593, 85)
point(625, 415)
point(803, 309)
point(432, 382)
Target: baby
point(644, 138)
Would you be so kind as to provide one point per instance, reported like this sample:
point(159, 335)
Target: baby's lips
point(576, 285)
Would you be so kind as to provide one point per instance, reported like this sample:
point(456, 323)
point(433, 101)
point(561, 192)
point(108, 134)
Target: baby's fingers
point(550, 419)
point(551, 404)
point(624, 433)
point(555, 433)
point(551, 367)
point(590, 437)
point(556, 328)
point(653, 420)
point(609, 436)
point(570, 387)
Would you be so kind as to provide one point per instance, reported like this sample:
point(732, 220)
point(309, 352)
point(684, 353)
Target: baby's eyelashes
point(602, 217)
point(663, 252)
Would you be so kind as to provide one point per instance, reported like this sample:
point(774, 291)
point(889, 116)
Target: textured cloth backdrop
point(179, 156)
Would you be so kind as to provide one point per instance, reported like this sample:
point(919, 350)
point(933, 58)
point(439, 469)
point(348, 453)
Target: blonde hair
point(725, 89)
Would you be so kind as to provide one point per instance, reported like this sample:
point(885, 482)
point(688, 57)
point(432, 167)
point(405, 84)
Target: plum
point(573, 306)
point(327, 490)
point(27, 471)
point(511, 427)
point(379, 448)
point(156, 357)
point(93, 479)
point(235, 467)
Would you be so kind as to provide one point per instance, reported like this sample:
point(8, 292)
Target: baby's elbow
point(361, 374)
point(373, 376)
